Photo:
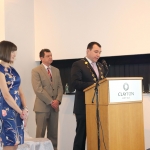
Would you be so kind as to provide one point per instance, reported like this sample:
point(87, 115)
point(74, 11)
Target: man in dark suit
point(48, 88)
point(84, 73)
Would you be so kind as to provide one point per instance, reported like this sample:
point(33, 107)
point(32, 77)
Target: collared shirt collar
point(46, 66)
point(89, 61)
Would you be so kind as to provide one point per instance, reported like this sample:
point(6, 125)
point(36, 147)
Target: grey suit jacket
point(45, 90)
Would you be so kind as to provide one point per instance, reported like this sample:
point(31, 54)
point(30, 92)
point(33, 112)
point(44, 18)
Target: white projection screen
point(122, 27)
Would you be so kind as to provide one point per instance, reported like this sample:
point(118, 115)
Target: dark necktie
point(49, 73)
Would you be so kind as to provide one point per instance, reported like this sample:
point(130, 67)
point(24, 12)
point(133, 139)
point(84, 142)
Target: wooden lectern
point(121, 115)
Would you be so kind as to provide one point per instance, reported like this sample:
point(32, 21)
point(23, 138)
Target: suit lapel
point(89, 65)
point(101, 76)
point(95, 78)
point(53, 75)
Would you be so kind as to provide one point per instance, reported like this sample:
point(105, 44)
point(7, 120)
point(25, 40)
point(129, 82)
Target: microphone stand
point(97, 112)
point(97, 106)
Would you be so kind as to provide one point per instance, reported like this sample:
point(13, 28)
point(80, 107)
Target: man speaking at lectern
point(84, 73)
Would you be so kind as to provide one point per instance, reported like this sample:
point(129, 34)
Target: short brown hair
point(90, 45)
point(41, 54)
point(6, 47)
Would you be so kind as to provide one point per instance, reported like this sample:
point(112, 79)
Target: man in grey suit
point(47, 85)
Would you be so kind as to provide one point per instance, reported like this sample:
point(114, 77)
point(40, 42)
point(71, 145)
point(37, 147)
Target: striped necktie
point(49, 73)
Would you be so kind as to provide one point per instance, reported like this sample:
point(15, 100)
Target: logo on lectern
point(126, 86)
point(126, 94)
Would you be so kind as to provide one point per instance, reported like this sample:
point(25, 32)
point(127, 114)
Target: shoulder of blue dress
point(1, 68)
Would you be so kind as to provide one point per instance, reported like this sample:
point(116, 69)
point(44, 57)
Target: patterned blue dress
point(12, 130)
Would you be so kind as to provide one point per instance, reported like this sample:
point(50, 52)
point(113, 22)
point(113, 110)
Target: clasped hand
point(55, 104)
point(24, 116)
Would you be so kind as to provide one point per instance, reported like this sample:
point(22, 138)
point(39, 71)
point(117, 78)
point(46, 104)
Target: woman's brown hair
point(6, 47)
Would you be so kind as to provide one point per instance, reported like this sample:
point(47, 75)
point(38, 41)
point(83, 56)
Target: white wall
point(19, 28)
point(146, 106)
point(2, 22)
point(66, 27)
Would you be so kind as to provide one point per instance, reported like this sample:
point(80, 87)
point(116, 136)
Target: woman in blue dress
point(13, 110)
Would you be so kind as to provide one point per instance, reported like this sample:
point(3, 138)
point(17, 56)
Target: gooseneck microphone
point(105, 64)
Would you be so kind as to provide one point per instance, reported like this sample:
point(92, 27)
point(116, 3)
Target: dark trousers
point(80, 137)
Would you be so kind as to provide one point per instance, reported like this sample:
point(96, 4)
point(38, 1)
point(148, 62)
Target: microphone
point(105, 66)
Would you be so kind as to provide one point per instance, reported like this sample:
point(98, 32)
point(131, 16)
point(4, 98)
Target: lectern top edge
point(118, 78)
